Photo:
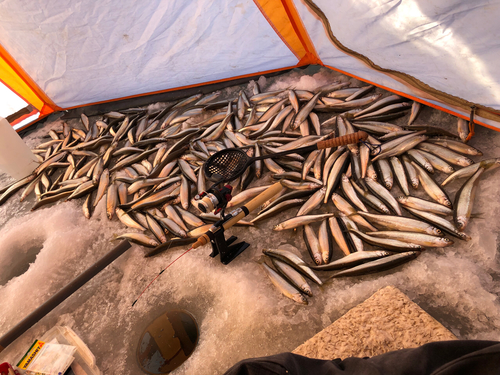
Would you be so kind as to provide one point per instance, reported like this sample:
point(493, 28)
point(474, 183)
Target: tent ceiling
point(66, 54)
point(92, 51)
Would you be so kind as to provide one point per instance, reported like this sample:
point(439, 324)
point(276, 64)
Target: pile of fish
point(147, 165)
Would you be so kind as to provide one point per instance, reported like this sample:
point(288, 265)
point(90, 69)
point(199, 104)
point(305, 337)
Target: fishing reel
point(214, 199)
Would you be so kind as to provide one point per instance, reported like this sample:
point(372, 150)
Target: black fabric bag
point(458, 357)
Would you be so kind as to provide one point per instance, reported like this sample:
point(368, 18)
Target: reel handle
point(344, 140)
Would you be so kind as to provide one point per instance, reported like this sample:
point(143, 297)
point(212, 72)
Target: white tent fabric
point(449, 45)
point(89, 51)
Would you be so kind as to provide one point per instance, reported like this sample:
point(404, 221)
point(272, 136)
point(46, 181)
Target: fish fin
point(478, 215)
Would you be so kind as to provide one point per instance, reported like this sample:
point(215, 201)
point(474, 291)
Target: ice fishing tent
point(60, 55)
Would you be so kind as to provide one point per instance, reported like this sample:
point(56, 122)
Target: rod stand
point(224, 248)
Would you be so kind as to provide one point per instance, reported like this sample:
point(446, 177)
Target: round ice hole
point(167, 342)
point(19, 262)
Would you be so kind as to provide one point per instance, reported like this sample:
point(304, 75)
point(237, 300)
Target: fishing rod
point(227, 165)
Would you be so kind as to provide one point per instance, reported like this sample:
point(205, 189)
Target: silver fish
point(294, 261)
point(379, 265)
point(294, 277)
point(423, 205)
point(411, 171)
point(385, 243)
point(399, 172)
point(412, 237)
point(402, 223)
point(446, 154)
point(352, 260)
point(431, 187)
point(383, 194)
point(140, 239)
point(298, 221)
point(464, 200)
point(344, 207)
point(312, 244)
point(462, 129)
point(439, 222)
point(283, 286)
point(351, 193)
point(487, 164)
point(437, 163)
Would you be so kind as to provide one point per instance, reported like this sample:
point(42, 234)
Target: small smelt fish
point(338, 235)
point(189, 218)
point(329, 163)
point(127, 220)
point(283, 286)
point(300, 185)
point(415, 109)
point(462, 129)
point(299, 221)
point(343, 206)
point(379, 265)
point(351, 193)
point(111, 200)
point(246, 195)
point(402, 223)
point(439, 222)
point(431, 187)
point(334, 175)
point(313, 202)
point(371, 199)
point(156, 229)
point(364, 154)
point(173, 227)
point(464, 200)
point(385, 243)
point(286, 205)
point(424, 205)
point(353, 259)
point(437, 163)
point(450, 156)
point(399, 172)
point(487, 164)
point(312, 244)
point(172, 214)
point(87, 206)
point(386, 172)
point(293, 276)
point(383, 194)
point(421, 160)
point(309, 162)
point(324, 242)
point(354, 239)
point(457, 146)
point(402, 147)
point(412, 237)
point(294, 261)
point(411, 172)
point(140, 239)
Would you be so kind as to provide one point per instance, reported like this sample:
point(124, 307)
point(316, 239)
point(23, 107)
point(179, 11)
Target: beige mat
point(386, 321)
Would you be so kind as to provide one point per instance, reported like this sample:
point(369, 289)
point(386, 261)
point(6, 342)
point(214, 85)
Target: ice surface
point(239, 311)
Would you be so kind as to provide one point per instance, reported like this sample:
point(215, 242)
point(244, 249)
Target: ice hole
point(20, 259)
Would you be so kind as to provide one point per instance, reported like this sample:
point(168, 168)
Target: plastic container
point(84, 358)
point(16, 159)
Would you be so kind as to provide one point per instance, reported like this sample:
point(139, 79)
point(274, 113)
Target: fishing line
point(163, 270)
point(373, 147)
